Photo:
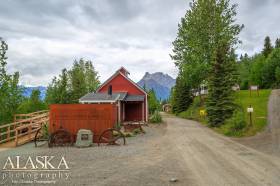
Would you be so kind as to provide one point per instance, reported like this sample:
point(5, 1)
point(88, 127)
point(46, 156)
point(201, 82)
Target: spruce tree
point(153, 102)
point(220, 104)
point(277, 43)
point(222, 73)
point(72, 84)
point(182, 96)
point(267, 46)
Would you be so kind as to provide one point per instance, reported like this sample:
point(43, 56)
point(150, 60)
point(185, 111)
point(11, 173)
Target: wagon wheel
point(60, 137)
point(111, 137)
point(41, 136)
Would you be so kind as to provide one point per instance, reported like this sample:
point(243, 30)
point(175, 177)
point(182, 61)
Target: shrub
point(235, 125)
point(156, 117)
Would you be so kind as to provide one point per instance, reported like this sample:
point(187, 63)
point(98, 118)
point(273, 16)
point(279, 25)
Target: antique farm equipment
point(41, 136)
point(61, 137)
point(130, 126)
point(111, 137)
point(67, 119)
point(84, 138)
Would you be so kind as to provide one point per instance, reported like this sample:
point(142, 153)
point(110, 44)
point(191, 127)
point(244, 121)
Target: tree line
point(68, 87)
point(72, 84)
point(263, 68)
point(204, 51)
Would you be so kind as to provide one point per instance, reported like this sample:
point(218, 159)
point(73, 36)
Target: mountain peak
point(160, 82)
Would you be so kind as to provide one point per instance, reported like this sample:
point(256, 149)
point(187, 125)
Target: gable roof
point(122, 68)
point(127, 78)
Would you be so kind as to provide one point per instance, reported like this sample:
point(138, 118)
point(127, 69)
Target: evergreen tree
point(91, 76)
point(10, 91)
point(181, 97)
point(154, 104)
point(73, 84)
point(32, 104)
point(267, 46)
point(78, 87)
point(277, 43)
point(220, 104)
point(269, 69)
point(222, 74)
point(277, 76)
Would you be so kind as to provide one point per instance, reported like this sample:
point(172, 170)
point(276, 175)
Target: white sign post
point(250, 110)
point(255, 88)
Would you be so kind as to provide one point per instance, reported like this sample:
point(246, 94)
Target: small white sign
point(250, 109)
point(254, 87)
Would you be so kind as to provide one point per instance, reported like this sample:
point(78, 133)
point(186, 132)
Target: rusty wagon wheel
point(61, 137)
point(111, 137)
point(41, 136)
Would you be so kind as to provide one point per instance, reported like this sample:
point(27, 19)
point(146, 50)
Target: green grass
point(244, 100)
point(193, 111)
point(259, 103)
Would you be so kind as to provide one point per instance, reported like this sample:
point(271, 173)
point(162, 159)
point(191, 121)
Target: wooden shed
point(129, 98)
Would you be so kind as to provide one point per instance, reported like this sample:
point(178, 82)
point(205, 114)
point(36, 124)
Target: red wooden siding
point(121, 84)
point(73, 117)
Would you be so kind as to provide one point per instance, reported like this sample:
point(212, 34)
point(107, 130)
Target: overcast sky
point(45, 36)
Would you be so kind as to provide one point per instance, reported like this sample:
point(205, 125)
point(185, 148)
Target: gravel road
point(268, 141)
point(181, 149)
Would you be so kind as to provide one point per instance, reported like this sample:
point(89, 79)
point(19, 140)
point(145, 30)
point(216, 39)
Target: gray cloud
point(46, 36)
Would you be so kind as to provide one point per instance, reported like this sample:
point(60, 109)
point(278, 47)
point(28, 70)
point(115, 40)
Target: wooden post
point(29, 131)
point(250, 92)
point(123, 111)
point(143, 111)
point(119, 112)
point(8, 133)
point(16, 139)
point(251, 119)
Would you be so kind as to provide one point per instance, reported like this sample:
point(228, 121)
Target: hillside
point(233, 127)
point(160, 82)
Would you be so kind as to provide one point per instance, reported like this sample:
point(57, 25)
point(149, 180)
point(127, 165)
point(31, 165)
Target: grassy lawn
point(242, 98)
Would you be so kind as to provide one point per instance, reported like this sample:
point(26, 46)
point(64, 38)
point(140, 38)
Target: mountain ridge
point(161, 83)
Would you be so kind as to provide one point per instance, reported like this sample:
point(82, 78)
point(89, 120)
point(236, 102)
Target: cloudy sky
point(45, 36)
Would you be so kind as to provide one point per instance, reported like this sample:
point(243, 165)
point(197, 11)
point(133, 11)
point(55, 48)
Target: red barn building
point(119, 89)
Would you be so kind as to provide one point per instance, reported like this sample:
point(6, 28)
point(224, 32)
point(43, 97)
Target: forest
point(68, 87)
point(204, 52)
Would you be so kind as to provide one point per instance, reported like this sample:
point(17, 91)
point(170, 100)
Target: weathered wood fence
point(23, 129)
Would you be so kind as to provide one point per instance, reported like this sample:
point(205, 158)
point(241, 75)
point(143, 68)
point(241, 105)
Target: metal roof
point(134, 98)
point(106, 98)
point(103, 97)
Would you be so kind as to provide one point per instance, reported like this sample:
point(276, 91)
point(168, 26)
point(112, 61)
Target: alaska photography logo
point(38, 169)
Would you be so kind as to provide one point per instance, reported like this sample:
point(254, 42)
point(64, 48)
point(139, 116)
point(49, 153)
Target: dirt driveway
point(180, 149)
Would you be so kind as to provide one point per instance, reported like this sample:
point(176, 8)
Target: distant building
point(167, 108)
